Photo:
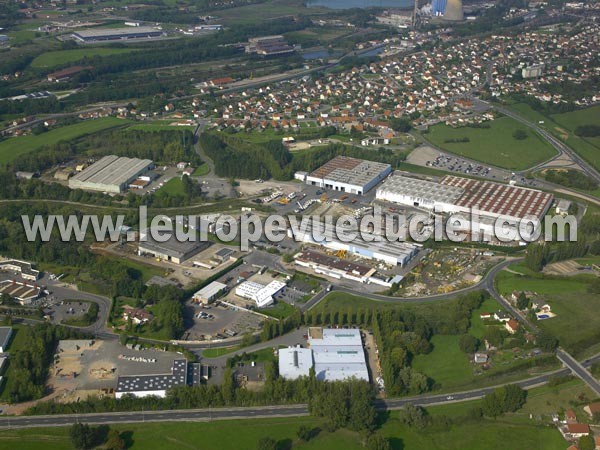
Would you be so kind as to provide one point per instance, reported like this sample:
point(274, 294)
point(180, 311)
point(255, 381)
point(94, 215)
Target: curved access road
point(486, 283)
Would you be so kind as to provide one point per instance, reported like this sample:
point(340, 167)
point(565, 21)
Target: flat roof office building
point(153, 385)
point(338, 354)
point(111, 174)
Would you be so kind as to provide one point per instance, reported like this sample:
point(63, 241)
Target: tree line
point(31, 361)
point(236, 158)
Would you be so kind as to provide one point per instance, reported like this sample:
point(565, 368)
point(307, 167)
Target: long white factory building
point(111, 174)
point(335, 354)
point(345, 174)
point(380, 249)
point(451, 195)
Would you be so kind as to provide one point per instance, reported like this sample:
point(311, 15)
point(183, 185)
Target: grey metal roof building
point(5, 334)
point(153, 385)
point(417, 192)
point(375, 247)
point(352, 175)
point(111, 174)
point(209, 293)
point(172, 249)
point(111, 34)
point(24, 268)
point(338, 354)
point(295, 362)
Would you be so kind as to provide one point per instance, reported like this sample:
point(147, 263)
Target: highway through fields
point(210, 414)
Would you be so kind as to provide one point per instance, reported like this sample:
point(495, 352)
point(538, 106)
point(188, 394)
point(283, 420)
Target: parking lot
point(60, 311)
point(218, 321)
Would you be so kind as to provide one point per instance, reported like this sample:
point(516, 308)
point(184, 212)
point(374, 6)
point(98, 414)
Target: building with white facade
point(295, 362)
point(487, 200)
point(352, 175)
point(261, 294)
point(209, 293)
point(338, 354)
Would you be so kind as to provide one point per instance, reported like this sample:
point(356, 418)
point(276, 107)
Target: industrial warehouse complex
point(156, 385)
point(462, 195)
point(172, 249)
point(111, 174)
point(394, 253)
point(261, 294)
point(115, 34)
point(335, 354)
point(352, 175)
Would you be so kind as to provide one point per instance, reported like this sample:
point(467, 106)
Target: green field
point(588, 147)
point(505, 433)
point(13, 147)
point(62, 57)
point(279, 310)
point(446, 364)
point(201, 171)
point(495, 145)
point(478, 326)
point(155, 125)
point(270, 9)
point(174, 187)
point(564, 125)
point(569, 299)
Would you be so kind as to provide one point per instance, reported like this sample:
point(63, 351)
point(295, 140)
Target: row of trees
point(84, 437)
point(30, 363)
point(570, 178)
point(237, 158)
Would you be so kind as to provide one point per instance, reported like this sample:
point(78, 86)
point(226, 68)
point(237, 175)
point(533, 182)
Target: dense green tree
point(266, 443)
point(586, 443)
point(377, 441)
point(468, 343)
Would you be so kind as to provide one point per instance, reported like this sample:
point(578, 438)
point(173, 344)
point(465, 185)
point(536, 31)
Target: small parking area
point(218, 321)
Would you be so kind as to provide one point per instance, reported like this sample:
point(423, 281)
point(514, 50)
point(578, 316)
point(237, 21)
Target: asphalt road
point(486, 283)
point(578, 370)
point(209, 414)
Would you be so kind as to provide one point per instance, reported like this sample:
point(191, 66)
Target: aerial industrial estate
point(280, 224)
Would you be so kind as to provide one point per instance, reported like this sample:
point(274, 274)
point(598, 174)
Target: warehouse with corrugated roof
point(111, 174)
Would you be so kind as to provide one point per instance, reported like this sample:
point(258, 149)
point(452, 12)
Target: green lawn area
point(505, 433)
point(61, 57)
point(478, 326)
point(588, 147)
point(201, 171)
point(279, 310)
point(495, 145)
point(155, 125)
point(563, 126)
point(220, 351)
point(446, 364)
point(576, 322)
point(173, 187)
point(12, 148)
point(262, 11)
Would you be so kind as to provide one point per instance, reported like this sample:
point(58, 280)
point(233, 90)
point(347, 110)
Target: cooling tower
point(454, 10)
